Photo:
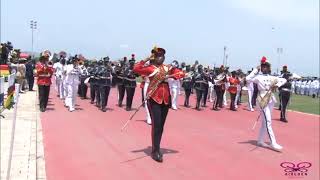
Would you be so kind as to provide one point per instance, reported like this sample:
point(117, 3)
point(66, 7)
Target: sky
point(188, 29)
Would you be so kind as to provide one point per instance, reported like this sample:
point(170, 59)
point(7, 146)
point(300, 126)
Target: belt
point(105, 77)
point(202, 82)
point(130, 79)
point(285, 89)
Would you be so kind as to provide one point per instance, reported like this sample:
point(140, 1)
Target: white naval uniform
point(227, 84)
point(59, 79)
point(250, 94)
point(174, 88)
point(145, 88)
point(55, 65)
point(72, 82)
point(212, 92)
point(264, 82)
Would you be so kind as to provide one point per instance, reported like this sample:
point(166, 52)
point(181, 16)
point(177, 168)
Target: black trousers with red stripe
point(158, 114)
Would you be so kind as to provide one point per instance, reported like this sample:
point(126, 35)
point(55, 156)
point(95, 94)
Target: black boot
point(157, 156)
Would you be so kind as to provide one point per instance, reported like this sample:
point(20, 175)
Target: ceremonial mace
point(158, 79)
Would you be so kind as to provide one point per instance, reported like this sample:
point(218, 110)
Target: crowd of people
point(161, 86)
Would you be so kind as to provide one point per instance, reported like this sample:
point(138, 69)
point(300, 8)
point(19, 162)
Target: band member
point(158, 94)
point(233, 88)
point(250, 93)
point(44, 73)
point(174, 87)
point(92, 81)
point(187, 85)
point(30, 73)
point(83, 88)
point(219, 85)
point(72, 82)
point(266, 84)
point(58, 71)
point(284, 93)
point(120, 80)
point(130, 83)
point(144, 86)
point(207, 78)
point(199, 85)
point(104, 83)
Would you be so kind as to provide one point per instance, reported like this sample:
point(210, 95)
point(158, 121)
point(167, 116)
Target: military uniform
point(83, 88)
point(284, 94)
point(200, 85)
point(130, 84)
point(159, 96)
point(104, 85)
point(92, 81)
point(264, 84)
point(233, 88)
point(120, 82)
point(187, 85)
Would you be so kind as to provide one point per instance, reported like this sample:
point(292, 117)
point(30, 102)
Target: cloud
point(281, 10)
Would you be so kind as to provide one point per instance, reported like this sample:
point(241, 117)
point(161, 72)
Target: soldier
point(104, 83)
point(187, 85)
point(119, 70)
point(83, 76)
point(219, 86)
point(58, 69)
point(174, 87)
point(284, 93)
point(200, 83)
point(130, 83)
point(158, 95)
point(234, 81)
point(266, 84)
point(72, 82)
point(92, 81)
point(29, 73)
point(44, 74)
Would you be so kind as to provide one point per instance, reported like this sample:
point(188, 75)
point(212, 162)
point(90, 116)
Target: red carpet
point(88, 145)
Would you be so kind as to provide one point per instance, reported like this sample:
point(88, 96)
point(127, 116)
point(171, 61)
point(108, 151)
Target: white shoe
point(71, 109)
point(262, 144)
point(149, 121)
point(236, 106)
point(174, 108)
point(251, 109)
point(276, 147)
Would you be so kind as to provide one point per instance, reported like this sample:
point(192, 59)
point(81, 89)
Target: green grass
point(305, 104)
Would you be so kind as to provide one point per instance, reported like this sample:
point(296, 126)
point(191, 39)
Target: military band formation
point(161, 84)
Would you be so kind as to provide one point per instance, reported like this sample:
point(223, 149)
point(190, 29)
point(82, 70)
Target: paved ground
point(27, 156)
point(88, 144)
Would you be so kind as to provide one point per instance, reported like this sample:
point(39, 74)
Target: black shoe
point(284, 120)
point(120, 105)
point(92, 102)
point(216, 109)
point(233, 109)
point(128, 108)
point(104, 109)
point(42, 109)
point(157, 156)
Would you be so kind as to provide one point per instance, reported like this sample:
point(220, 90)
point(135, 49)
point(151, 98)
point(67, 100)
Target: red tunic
point(233, 85)
point(44, 74)
point(161, 93)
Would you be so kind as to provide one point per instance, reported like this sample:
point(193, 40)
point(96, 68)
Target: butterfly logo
point(291, 167)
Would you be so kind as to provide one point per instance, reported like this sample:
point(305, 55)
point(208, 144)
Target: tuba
point(220, 77)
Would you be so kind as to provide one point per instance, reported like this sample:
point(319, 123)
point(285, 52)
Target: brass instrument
point(263, 101)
